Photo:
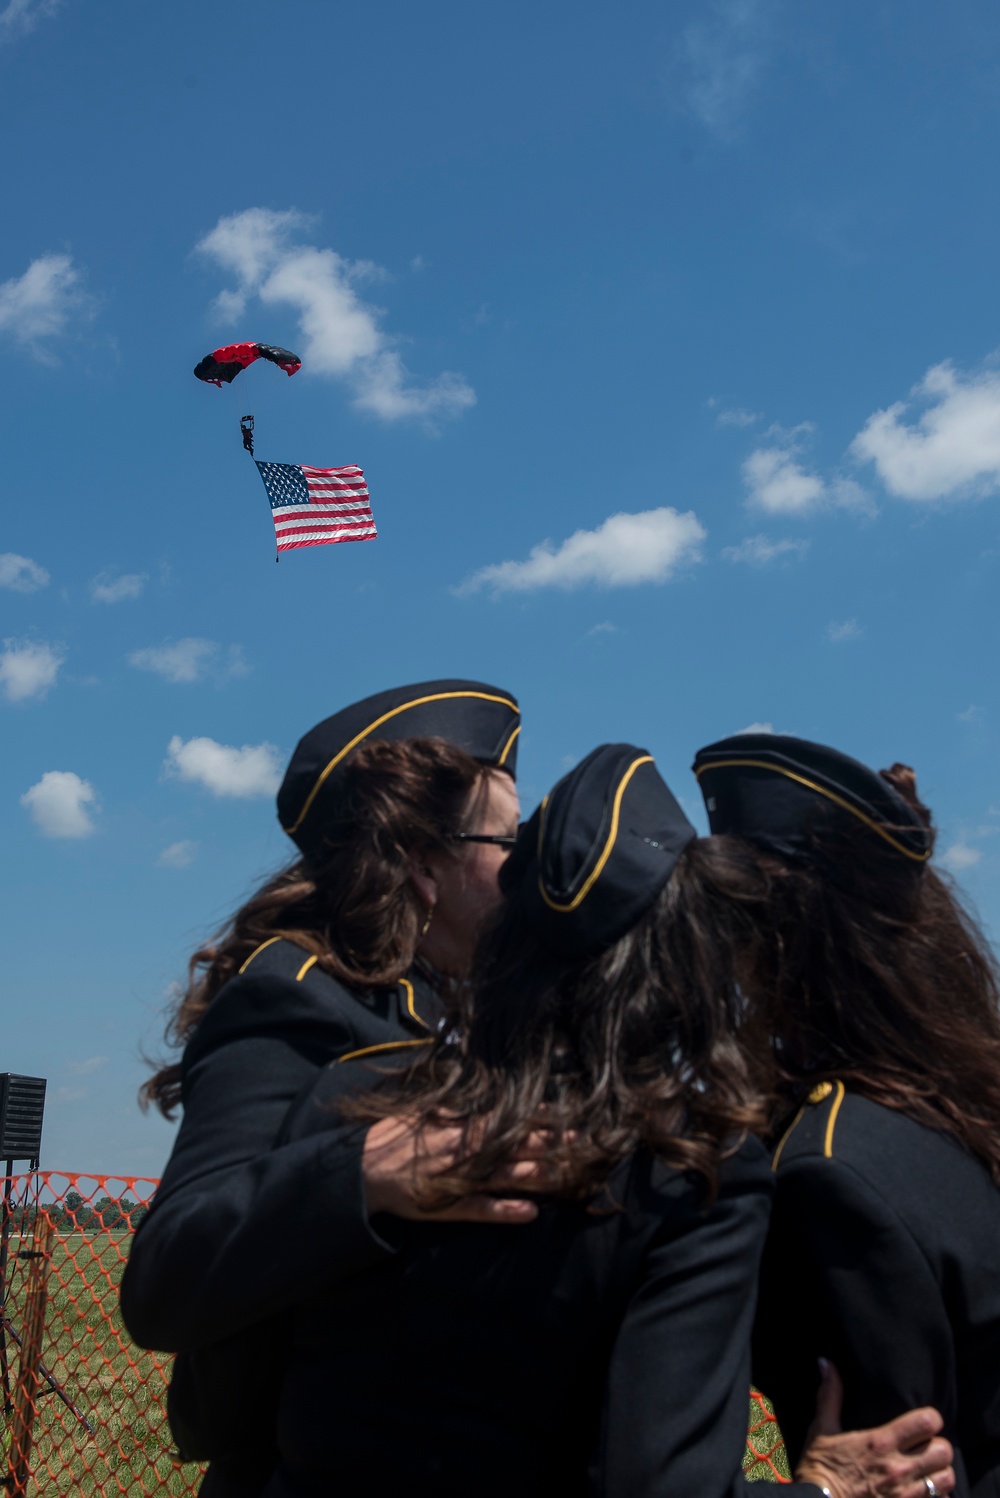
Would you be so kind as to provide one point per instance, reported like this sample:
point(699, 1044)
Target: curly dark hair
point(871, 972)
point(351, 904)
point(641, 1045)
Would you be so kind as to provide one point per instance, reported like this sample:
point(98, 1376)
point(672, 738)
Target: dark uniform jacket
point(587, 1353)
point(884, 1256)
point(245, 1224)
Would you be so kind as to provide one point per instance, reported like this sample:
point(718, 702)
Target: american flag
point(315, 506)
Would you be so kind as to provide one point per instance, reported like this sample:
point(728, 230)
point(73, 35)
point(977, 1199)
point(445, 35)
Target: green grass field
point(121, 1390)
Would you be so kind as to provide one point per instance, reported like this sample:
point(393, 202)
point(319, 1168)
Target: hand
point(891, 1461)
point(401, 1160)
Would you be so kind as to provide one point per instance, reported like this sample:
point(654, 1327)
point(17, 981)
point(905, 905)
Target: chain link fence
point(84, 1410)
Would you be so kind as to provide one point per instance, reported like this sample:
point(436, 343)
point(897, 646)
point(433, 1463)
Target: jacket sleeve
point(844, 1279)
point(243, 1226)
point(675, 1414)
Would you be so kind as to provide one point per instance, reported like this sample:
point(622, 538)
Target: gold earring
point(427, 924)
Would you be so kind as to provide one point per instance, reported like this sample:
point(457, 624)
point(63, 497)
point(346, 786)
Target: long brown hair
point(351, 905)
point(637, 1046)
point(871, 972)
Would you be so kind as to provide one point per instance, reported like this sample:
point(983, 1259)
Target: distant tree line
point(75, 1215)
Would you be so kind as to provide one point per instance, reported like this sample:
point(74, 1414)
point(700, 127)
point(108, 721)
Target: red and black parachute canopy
point(224, 364)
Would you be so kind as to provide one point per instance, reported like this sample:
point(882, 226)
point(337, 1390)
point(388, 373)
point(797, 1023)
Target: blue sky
point(666, 334)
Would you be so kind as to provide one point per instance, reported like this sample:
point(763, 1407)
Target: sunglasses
point(502, 840)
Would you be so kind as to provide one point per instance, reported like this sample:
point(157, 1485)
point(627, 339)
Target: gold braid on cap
point(763, 764)
point(581, 895)
point(404, 707)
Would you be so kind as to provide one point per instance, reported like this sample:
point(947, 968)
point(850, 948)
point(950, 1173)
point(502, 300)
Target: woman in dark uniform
point(403, 808)
point(605, 1347)
point(882, 1002)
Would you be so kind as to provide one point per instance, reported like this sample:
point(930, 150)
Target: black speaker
point(22, 1106)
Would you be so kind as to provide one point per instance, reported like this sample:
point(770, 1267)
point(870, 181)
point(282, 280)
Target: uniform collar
point(422, 1000)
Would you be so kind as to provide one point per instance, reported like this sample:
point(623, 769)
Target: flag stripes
point(317, 506)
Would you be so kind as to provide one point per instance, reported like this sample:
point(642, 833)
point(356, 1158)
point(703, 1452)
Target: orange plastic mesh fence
point(98, 1421)
point(765, 1458)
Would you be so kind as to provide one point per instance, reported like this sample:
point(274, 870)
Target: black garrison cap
point(482, 720)
point(597, 852)
point(780, 792)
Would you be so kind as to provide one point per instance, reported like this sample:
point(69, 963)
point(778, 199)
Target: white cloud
point(87, 1066)
point(780, 485)
point(343, 336)
point(107, 589)
point(190, 660)
point(28, 669)
point(21, 16)
point(848, 629)
point(253, 770)
point(718, 64)
point(971, 713)
point(177, 855)
point(58, 803)
point(949, 449)
point(607, 628)
point(952, 449)
point(623, 552)
point(737, 417)
point(960, 856)
point(39, 304)
point(233, 663)
point(757, 551)
point(183, 661)
point(21, 574)
point(384, 389)
point(757, 728)
point(847, 494)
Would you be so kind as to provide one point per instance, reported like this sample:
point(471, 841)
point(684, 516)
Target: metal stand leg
point(26, 1399)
